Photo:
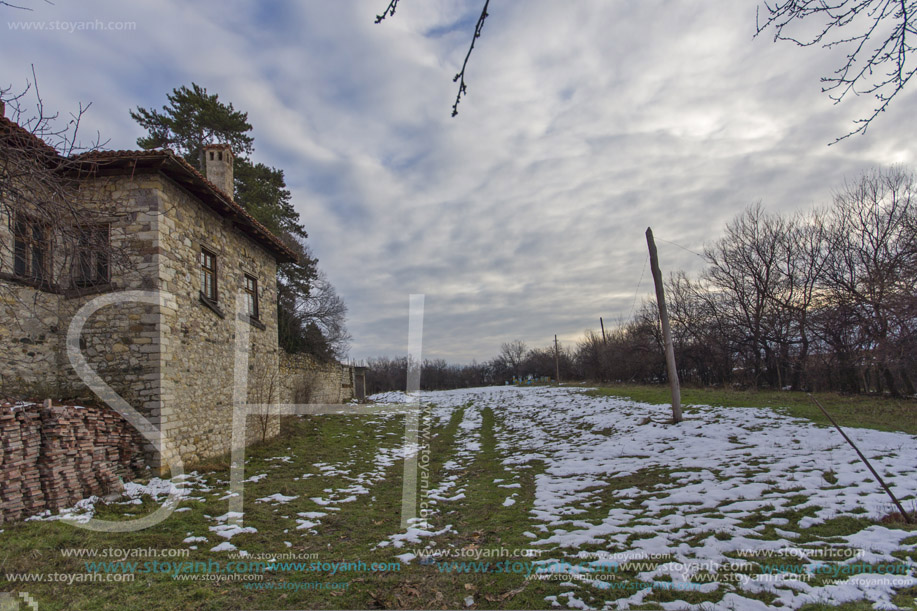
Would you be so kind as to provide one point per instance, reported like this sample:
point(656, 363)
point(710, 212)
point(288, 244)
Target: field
point(538, 498)
point(880, 413)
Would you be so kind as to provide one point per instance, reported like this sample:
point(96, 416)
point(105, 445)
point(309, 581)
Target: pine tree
point(192, 120)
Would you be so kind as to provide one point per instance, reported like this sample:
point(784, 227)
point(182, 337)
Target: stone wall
point(198, 341)
point(120, 341)
point(116, 340)
point(31, 340)
point(306, 380)
point(52, 457)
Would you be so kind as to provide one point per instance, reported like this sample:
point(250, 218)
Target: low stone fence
point(52, 457)
point(306, 380)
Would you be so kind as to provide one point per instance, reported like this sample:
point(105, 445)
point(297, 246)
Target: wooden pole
point(863, 458)
point(666, 330)
point(556, 359)
point(602, 322)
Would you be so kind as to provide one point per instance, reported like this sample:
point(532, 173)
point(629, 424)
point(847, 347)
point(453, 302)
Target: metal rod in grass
point(888, 491)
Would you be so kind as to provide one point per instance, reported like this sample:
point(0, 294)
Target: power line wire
point(633, 306)
point(681, 247)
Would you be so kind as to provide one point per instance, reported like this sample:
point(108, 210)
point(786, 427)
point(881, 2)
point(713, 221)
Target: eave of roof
point(16, 135)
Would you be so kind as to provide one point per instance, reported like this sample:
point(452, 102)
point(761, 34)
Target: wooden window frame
point(212, 272)
point(26, 246)
point(250, 286)
point(92, 259)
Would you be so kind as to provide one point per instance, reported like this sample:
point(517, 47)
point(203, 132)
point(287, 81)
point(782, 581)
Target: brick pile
point(53, 456)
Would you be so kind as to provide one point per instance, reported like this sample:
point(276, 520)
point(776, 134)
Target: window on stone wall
point(208, 275)
point(31, 249)
point(251, 296)
point(92, 261)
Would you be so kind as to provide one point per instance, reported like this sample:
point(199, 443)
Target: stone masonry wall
point(306, 380)
point(198, 342)
point(173, 362)
point(31, 340)
point(117, 339)
point(121, 341)
point(29, 331)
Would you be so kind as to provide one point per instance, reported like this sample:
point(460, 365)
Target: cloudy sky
point(585, 122)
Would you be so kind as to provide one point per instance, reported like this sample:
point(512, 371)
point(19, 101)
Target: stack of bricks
point(52, 457)
point(20, 443)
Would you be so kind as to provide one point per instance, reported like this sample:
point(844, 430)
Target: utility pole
point(556, 359)
point(666, 330)
point(602, 322)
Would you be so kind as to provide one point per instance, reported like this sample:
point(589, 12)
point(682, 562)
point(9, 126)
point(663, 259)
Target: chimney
point(2, 108)
point(218, 166)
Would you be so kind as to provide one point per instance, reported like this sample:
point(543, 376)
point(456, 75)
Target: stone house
point(153, 223)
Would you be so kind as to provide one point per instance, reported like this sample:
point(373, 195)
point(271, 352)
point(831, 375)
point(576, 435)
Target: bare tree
point(54, 236)
point(876, 38)
point(324, 307)
point(591, 353)
point(744, 269)
point(265, 388)
point(512, 354)
point(19, 6)
point(312, 316)
point(702, 349)
point(42, 207)
point(868, 274)
point(802, 262)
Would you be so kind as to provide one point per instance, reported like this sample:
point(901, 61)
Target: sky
point(524, 216)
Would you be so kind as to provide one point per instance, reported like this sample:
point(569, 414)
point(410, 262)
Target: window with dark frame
point(251, 296)
point(31, 249)
point(92, 263)
point(208, 275)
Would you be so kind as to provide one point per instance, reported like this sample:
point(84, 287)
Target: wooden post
point(666, 330)
point(602, 322)
point(556, 359)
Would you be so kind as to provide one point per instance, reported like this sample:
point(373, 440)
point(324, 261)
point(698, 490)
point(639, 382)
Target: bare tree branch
point(53, 233)
point(877, 36)
point(389, 10)
point(460, 77)
point(23, 8)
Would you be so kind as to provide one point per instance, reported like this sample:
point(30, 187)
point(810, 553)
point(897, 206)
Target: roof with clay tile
point(107, 162)
point(20, 136)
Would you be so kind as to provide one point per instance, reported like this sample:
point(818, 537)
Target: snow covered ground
point(726, 475)
point(721, 502)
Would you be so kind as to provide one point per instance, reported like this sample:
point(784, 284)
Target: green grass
point(347, 535)
point(879, 413)
point(479, 521)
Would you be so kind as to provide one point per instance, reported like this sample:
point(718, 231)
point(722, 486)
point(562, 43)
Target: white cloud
point(524, 216)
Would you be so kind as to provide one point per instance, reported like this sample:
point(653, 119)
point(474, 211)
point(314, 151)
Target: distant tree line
point(823, 300)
